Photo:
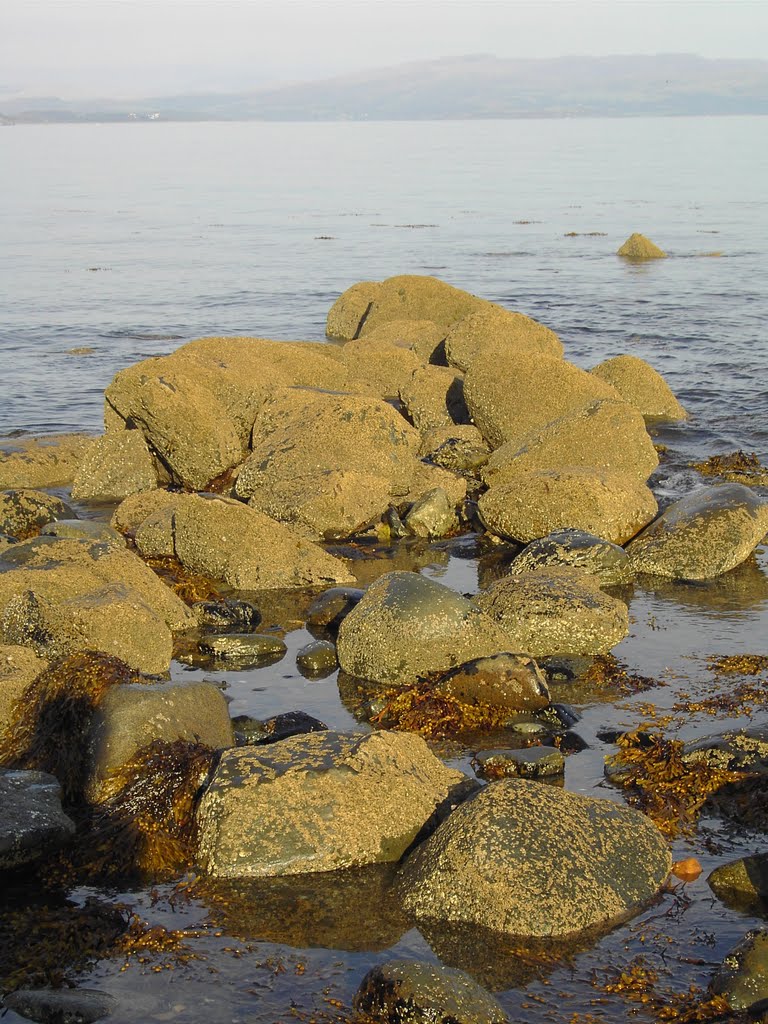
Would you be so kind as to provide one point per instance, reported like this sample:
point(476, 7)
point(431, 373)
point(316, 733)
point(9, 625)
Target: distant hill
point(460, 87)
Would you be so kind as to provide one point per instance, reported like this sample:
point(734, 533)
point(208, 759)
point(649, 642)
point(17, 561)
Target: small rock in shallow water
point(743, 975)
point(227, 613)
point(61, 1005)
point(317, 659)
point(432, 515)
point(330, 607)
point(511, 681)
point(742, 883)
point(528, 763)
point(244, 647)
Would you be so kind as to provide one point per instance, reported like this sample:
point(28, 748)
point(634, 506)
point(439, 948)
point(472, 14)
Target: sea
point(121, 242)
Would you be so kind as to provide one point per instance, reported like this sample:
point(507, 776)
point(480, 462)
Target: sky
point(132, 48)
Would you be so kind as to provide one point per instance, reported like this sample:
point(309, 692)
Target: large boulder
point(32, 822)
point(319, 802)
point(43, 462)
point(641, 386)
point(378, 368)
point(424, 337)
point(530, 505)
point(407, 626)
point(703, 535)
point(226, 540)
point(494, 329)
point(557, 610)
point(434, 397)
point(603, 435)
point(116, 465)
point(534, 861)
point(511, 393)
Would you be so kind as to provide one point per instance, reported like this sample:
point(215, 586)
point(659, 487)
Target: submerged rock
point(307, 803)
point(743, 976)
point(32, 822)
point(703, 535)
point(638, 247)
point(641, 386)
point(531, 860)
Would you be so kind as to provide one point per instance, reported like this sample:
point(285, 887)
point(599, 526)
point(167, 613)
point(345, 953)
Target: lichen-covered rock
point(600, 558)
point(424, 337)
point(530, 505)
point(535, 861)
point(412, 992)
point(154, 537)
point(24, 512)
point(132, 512)
point(510, 681)
point(226, 540)
point(116, 465)
point(558, 610)
point(347, 315)
point(704, 534)
point(83, 529)
point(434, 397)
point(638, 247)
point(428, 477)
point(43, 462)
point(32, 822)
point(742, 882)
point(641, 386)
point(603, 435)
point(510, 394)
point(494, 329)
point(19, 666)
point(378, 368)
point(416, 297)
point(742, 978)
point(407, 626)
point(304, 804)
point(131, 716)
point(433, 515)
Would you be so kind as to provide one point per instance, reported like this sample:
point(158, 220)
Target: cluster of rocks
point(237, 460)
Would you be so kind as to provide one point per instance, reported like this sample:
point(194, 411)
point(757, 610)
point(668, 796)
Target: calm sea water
point(130, 240)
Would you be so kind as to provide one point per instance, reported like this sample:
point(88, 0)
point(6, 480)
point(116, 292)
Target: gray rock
point(245, 648)
point(329, 609)
point(511, 681)
point(432, 515)
point(32, 822)
point(413, 992)
point(607, 561)
point(407, 627)
point(116, 465)
point(87, 528)
point(702, 535)
point(527, 763)
point(304, 804)
point(531, 860)
point(742, 977)
point(61, 1005)
point(317, 659)
point(23, 512)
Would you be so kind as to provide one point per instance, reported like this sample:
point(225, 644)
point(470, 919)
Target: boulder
point(417, 297)
point(131, 716)
point(494, 330)
point(602, 435)
point(535, 861)
point(407, 626)
point(704, 534)
point(116, 465)
point(424, 337)
point(641, 386)
point(742, 978)
point(509, 394)
point(433, 397)
point(24, 512)
point(132, 512)
point(533, 504)
point(305, 804)
point(510, 681)
point(638, 247)
point(83, 529)
point(154, 538)
point(32, 823)
point(19, 666)
point(43, 462)
point(413, 992)
point(557, 610)
point(347, 315)
point(226, 540)
point(540, 762)
point(600, 558)
point(61, 1005)
point(742, 882)
point(378, 368)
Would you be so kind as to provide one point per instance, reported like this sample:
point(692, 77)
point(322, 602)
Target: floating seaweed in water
point(662, 784)
point(423, 710)
point(738, 467)
point(606, 671)
point(740, 664)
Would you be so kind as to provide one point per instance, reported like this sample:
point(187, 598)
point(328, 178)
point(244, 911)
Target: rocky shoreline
point(238, 469)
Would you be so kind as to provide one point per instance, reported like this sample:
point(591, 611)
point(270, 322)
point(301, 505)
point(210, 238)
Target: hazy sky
point(128, 48)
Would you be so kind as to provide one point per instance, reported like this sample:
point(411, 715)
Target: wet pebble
point(528, 763)
point(317, 659)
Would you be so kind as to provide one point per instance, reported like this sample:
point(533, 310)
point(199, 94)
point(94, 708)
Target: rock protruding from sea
point(493, 330)
point(532, 504)
point(556, 610)
point(32, 822)
point(600, 558)
point(320, 802)
point(116, 465)
point(407, 627)
point(742, 978)
point(534, 861)
point(414, 992)
point(703, 535)
point(509, 394)
point(742, 882)
point(641, 386)
point(638, 247)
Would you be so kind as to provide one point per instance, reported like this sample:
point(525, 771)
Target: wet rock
point(61, 1005)
point(87, 528)
point(603, 435)
point(600, 558)
point(638, 247)
point(531, 860)
point(434, 397)
point(413, 992)
point(317, 659)
point(495, 330)
point(556, 611)
point(745, 750)
point(43, 462)
point(511, 681)
point(703, 535)
point(407, 626)
point(304, 804)
point(424, 337)
point(742, 883)
point(528, 763)
point(230, 613)
point(131, 716)
point(643, 387)
point(228, 541)
point(32, 823)
point(378, 368)
point(433, 515)
point(245, 648)
point(19, 666)
point(280, 727)
point(116, 465)
point(511, 394)
point(329, 609)
point(742, 978)
point(460, 449)
point(24, 512)
point(533, 504)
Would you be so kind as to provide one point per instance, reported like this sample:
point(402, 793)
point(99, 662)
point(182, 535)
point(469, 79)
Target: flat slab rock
point(32, 822)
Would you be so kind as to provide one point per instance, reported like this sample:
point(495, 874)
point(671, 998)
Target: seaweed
point(189, 586)
point(436, 715)
point(738, 467)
